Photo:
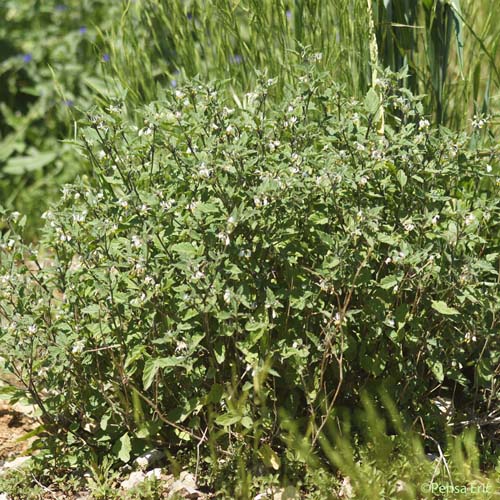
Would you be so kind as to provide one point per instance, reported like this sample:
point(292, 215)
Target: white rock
point(185, 486)
point(133, 480)
point(346, 489)
point(14, 464)
point(149, 459)
point(155, 472)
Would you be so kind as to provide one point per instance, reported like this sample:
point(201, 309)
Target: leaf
point(270, 457)
point(22, 164)
point(122, 448)
point(152, 365)
point(389, 282)
point(437, 370)
point(227, 419)
point(443, 308)
point(372, 101)
point(402, 178)
point(457, 24)
point(185, 249)
point(215, 394)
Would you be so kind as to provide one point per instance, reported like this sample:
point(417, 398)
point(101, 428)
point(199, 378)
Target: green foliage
point(51, 68)
point(223, 267)
point(59, 59)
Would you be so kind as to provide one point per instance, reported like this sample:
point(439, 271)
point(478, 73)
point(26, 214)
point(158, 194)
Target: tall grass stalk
point(451, 48)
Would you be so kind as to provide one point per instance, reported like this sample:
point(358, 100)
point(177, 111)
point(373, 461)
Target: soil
point(13, 425)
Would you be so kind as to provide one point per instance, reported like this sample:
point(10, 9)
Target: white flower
point(80, 217)
point(166, 205)
point(136, 241)
point(391, 323)
point(198, 275)
point(469, 219)
point(363, 181)
point(423, 124)
point(489, 168)
point(32, 329)
point(337, 319)
point(224, 238)
point(123, 203)
point(259, 203)
point(469, 337)
point(78, 347)
point(139, 268)
point(144, 209)
point(435, 219)
point(479, 122)
point(181, 346)
point(408, 226)
point(145, 131)
point(273, 145)
point(230, 130)
point(204, 171)
point(148, 280)
point(227, 296)
point(359, 146)
point(245, 253)
point(65, 237)
point(179, 94)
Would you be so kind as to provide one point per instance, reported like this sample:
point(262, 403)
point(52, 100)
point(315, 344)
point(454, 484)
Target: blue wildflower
point(60, 7)
point(82, 30)
point(236, 59)
point(69, 102)
point(189, 16)
point(105, 57)
point(289, 14)
point(173, 83)
point(27, 58)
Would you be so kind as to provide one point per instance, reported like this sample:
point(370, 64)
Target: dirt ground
point(13, 425)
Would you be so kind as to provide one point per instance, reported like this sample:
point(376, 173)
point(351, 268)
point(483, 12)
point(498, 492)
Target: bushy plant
point(227, 266)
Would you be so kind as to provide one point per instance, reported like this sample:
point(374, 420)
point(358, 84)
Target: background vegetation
point(262, 229)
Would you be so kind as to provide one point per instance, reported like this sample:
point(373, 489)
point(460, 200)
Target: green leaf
point(270, 457)
point(215, 394)
point(437, 370)
point(389, 282)
point(402, 178)
point(148, 375)
point(23, 164)
point(185, 249)
point(227, 419)
point(152, 365)
point(372, 101)
point(443, 308)
point(122, 448)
